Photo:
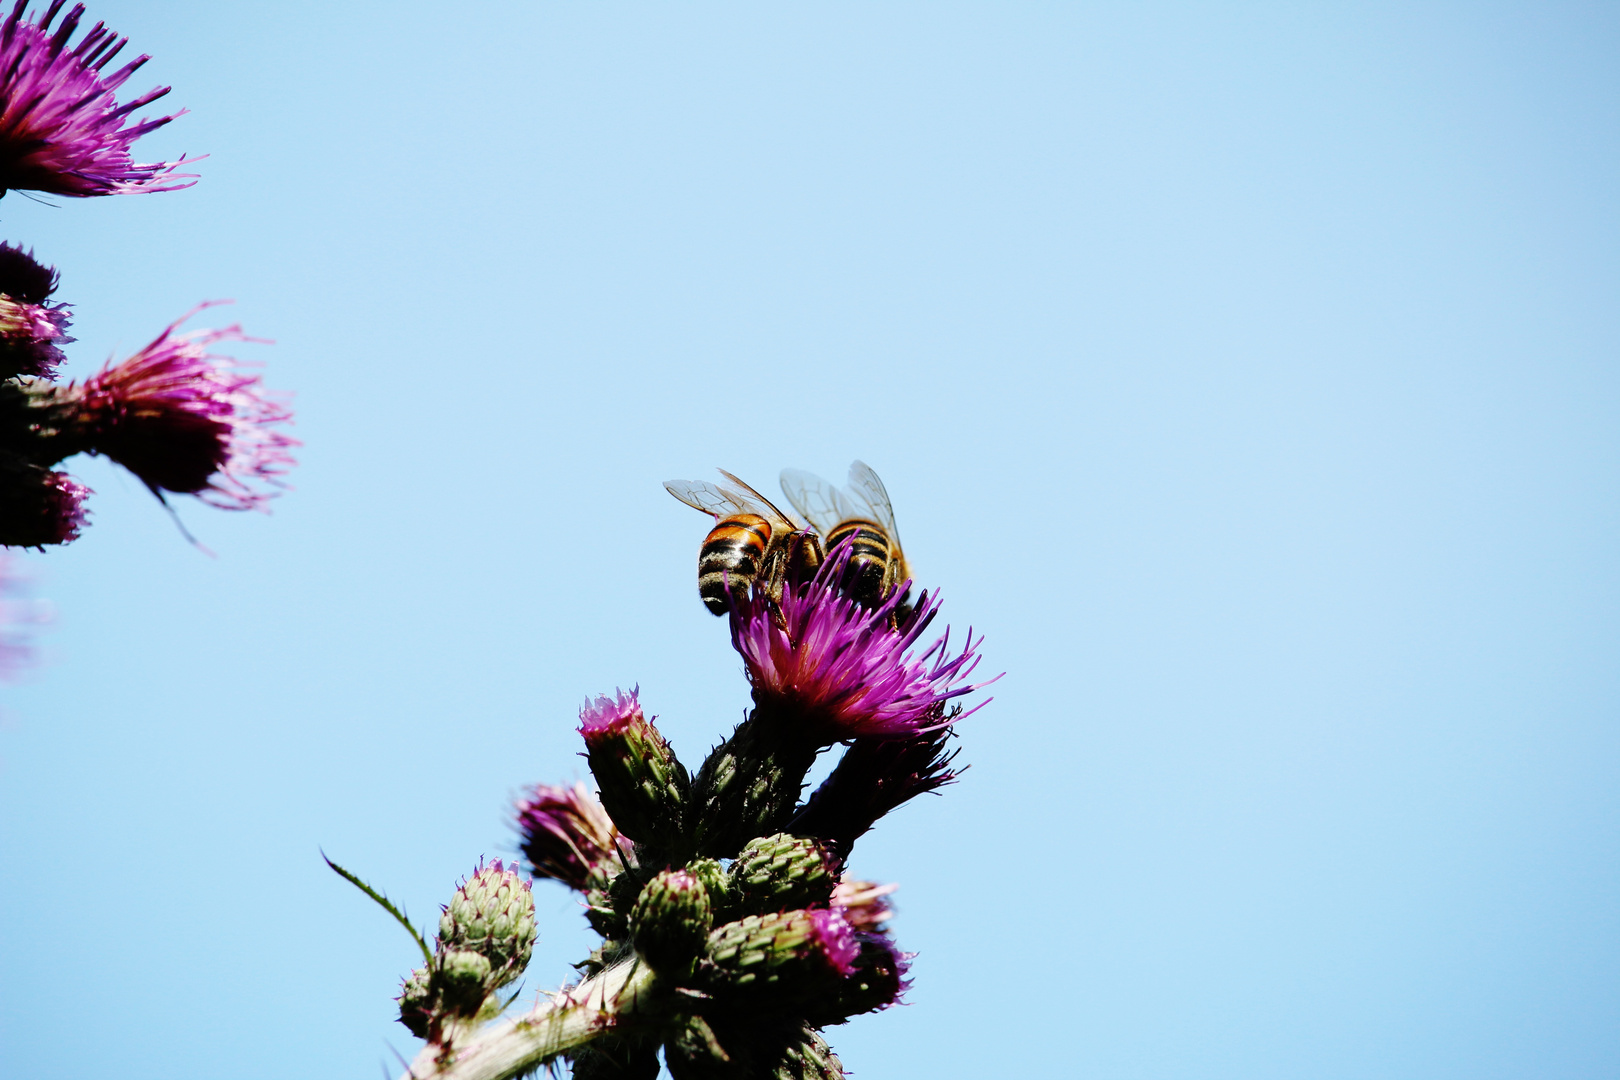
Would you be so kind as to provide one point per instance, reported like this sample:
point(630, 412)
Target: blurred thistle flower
point(186, 420)
point(61, 127)
point(37, 506)
point(863, 903)
point(843, 669)
point(566, 835)
point(18, 616)
point(31, 330)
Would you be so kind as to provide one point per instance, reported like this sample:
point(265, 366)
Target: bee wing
point(702, 496)
point(816, 499)
point(755, 503)
point(865, 487)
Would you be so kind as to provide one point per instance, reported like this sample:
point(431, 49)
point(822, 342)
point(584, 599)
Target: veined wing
point(700, 495)
point(822, 503)
point(755, 503)
point(866, 488)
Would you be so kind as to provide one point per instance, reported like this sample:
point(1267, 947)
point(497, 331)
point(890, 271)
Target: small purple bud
point(642, 784)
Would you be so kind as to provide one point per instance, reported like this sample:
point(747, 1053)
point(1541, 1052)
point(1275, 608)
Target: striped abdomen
point(868, 560)
point(730, 558)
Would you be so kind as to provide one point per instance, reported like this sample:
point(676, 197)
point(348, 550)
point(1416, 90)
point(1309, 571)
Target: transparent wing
point(816, 499)
point(702, 496)
point(865, 487)
point(755, 503)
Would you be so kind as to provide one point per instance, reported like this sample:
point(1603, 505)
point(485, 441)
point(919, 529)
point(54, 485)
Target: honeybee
point(751, 540)
point(860, 511)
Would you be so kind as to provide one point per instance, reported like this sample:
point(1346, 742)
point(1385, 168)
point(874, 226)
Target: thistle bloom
point(31, 330)
point(61, 127)
point(844, 668)
point(38, 506)
point(186, 420)
point(565, 833)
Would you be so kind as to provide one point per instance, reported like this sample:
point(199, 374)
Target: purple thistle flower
point(844, 668)
point(31, 331)
point(831, 935)
point(566, 833)
point(61, 127)
point(186, 420)
point(38, 506)
point(605, 716)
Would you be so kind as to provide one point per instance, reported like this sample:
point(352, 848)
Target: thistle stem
point(514, 1046)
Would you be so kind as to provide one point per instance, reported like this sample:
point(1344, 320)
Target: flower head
point(565, 833)
point(186, 420)
point(846, 670)
point(61, 127)
point(38, 506)
point(606, 716)
point(491, 914)
point(864, 903)
point(643, 785)
point(31, 330)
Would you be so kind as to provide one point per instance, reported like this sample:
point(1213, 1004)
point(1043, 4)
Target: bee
point(751, 540)
point(861, 514)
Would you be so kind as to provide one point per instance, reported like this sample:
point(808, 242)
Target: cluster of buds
point(486, 936)
point(181, 418)
point(732, 934)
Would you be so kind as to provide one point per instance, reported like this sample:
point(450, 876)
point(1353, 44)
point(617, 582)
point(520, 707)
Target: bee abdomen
point(730, 558)
point(868, 558)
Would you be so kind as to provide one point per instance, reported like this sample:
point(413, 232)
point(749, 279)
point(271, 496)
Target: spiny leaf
point(386, 904)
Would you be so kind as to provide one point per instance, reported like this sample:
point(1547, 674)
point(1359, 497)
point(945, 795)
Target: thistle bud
point(416, 1004)
point(670, 922)
point(38, 506)
point(567, 835)
point(796, 955)
point(722, 898)
point(877, 980)
point(466, 978)
point(492, 914)
point(643, 786)
point(781, 872)
point(807, 1058)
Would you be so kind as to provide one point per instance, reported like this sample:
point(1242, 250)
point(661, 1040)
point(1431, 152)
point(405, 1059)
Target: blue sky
point(1246, 374)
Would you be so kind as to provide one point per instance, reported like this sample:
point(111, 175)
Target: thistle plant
point(732, 934)
point(182, 418)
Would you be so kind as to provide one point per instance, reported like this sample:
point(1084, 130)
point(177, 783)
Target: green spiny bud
point(465, 977)
point(492, 914)
point(640, 781)
point(722, 898)
point(796, 954)
point(808, 1058)
point(670, 922)
point(416, 1004)
point(780, 872)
